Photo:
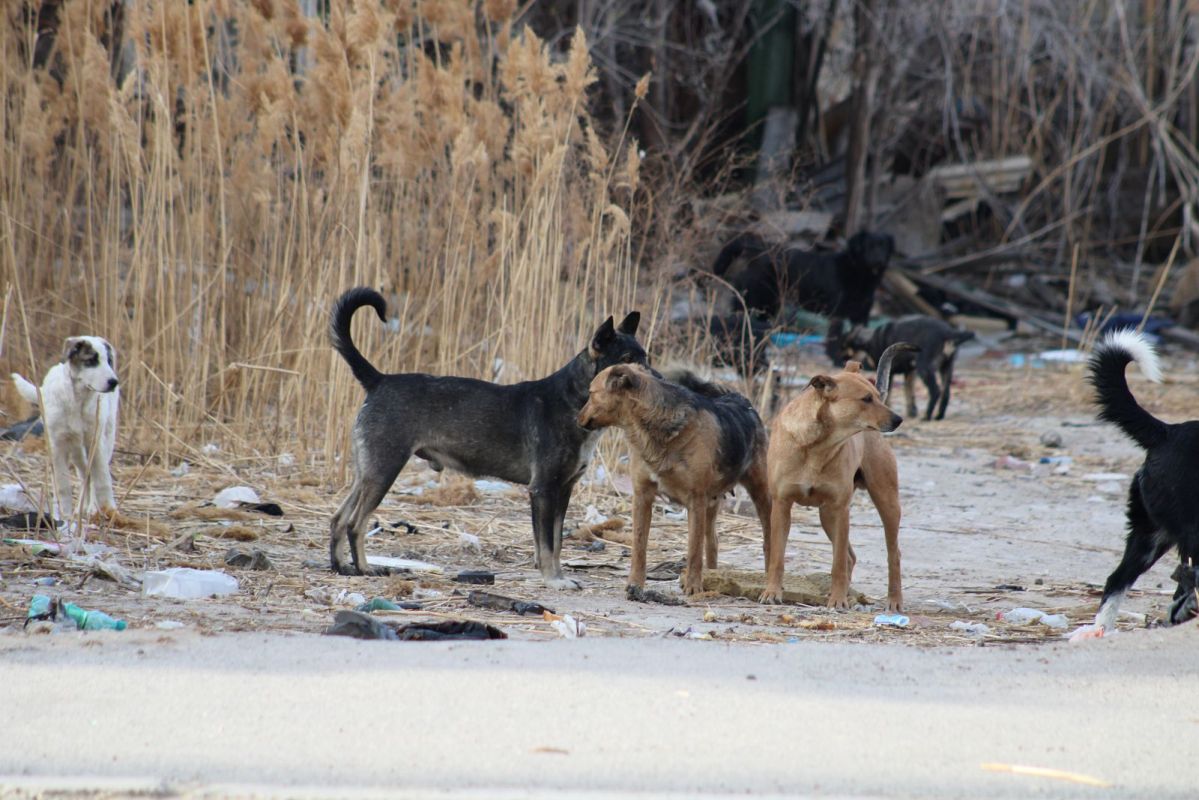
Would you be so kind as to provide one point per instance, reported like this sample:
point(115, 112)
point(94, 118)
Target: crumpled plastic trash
point(891, 621)
point(187, 583)
point(234, 496)
point(1027, 616)
point(566, 625)
point(972, 628)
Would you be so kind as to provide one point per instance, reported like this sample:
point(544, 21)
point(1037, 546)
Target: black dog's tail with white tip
point(339, 332)
point(1116, 402)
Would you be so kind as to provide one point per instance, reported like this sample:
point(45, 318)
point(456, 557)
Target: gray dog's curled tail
point(339, 332)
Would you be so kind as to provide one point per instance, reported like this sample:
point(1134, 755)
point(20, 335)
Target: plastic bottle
point(40, 607)
point(92, 620)
point(184, 583)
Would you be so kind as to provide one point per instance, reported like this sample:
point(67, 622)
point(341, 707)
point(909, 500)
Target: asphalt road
point(273, 715)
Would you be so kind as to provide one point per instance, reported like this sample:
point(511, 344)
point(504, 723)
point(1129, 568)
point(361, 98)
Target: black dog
point(1163, 511)
point(835, 284)
point(740, 342)
point(938, 342)
point(524, 433)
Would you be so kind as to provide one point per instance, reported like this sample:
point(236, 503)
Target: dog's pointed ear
point(629, 324)
point(823, 384)
point(602, 338)
point(853, 366)
point(622, 378)
point(71, 346)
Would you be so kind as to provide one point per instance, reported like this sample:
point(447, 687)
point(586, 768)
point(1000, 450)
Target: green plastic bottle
point(92, 620)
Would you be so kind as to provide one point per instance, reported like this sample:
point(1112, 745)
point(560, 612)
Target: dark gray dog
point(937, 341)
point(525, 433)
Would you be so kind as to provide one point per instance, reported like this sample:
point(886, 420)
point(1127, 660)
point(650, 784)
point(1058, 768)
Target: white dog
point(79, 408)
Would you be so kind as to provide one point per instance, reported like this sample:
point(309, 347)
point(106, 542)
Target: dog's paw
point(563, 584)
point(635, 593)
point(894, 606)
point(839, 602)
point(772, 597)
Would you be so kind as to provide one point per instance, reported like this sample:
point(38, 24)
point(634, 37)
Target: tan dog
point(825, 443)
point(692, 441)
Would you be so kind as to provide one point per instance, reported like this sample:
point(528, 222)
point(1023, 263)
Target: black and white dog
point(834, 284)
point(1163, 512)
point(938, 343)
point(525, 433)
point(79, 400)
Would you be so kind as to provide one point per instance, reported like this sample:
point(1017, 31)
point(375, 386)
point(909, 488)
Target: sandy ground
point(241, 694)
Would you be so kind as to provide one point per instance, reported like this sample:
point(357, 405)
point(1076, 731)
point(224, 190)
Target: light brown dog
point(692, 441)
point(825, 443)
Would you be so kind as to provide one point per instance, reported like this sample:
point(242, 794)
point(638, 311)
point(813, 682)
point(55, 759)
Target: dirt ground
point(977, 539)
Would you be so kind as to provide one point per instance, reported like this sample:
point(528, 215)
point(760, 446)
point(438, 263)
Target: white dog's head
point(92, 362)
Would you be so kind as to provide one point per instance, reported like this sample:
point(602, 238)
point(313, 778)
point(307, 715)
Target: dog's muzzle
point(112, 384)
point(892, 423)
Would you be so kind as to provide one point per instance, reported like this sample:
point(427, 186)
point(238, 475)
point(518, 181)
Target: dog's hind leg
point(755, 483)
point(63, 504)
point(929, 377)
point(1143, 547)
point(946, 382)
point(909, 393)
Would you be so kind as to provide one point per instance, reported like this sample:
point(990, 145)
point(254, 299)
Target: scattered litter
point(29, 521)
point(421, 593)
point(43, 609)
point(187, 583)
point(675, 513)
point(470, 542)
point(383, 604)
point(691, 633)
point(709, 616)
point(1068, 356)
point(169, 625)
point(1099, 477)
point(642, 595)
point(480, 577)
point(951, 606)
point(181, 470)
point(498, 602)
point(286, 460)
point(492, 487)
point(817, 624)
point(403, 564)
point(891, 621)
point(235, 496)
point(335, 597)
point(1051, 439)
point(1027, 616)
point(972, 628)
point(15, 498)
point(112, 572)
point(18, 431)
point(353, 598)
point(49, 580)
point(592, 516)
point(1061, 463)
point(36, 547)
point(255, 559)
point(363, 626)
point(91, 620)
point(565, 624)
point(1012, 463)
point(212, 448)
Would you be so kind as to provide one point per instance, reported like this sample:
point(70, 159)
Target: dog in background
point(690, 440)
point(79, 400)
point(834, 284)
point(1162, 512)
point(937, 342)
point(524, 433)
point(740, 342)
point(824, 444)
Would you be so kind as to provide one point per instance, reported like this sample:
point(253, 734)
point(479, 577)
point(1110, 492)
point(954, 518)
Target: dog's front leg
point(102, 498)
point(697, 530)
point(775, 548)
point(835, 521)
point(63, 504)
point(711, 545)
point(644, 492)
point(547, 502)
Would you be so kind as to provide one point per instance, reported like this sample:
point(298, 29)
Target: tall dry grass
point(204, 212)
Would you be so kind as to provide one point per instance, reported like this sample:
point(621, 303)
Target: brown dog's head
point(851, 403)
point(610, 392)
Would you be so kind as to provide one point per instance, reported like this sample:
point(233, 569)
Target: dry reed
point(204, 210)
